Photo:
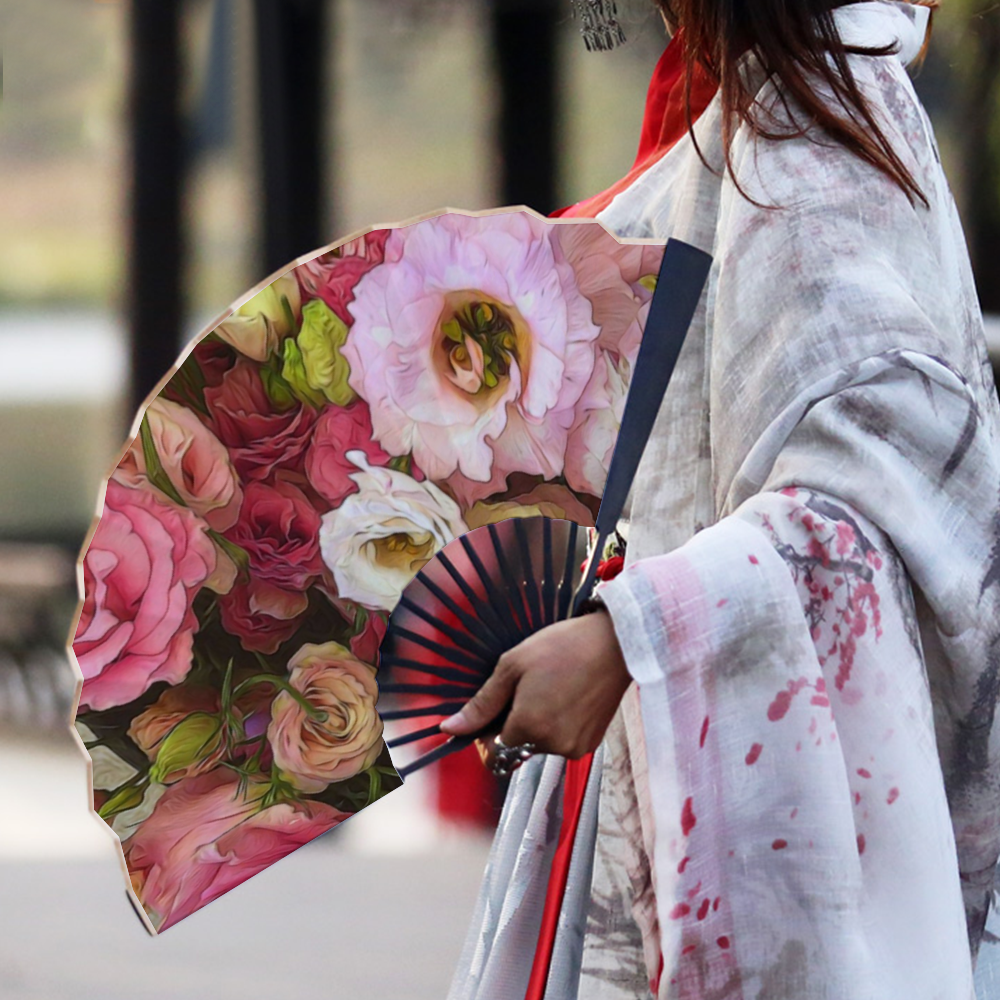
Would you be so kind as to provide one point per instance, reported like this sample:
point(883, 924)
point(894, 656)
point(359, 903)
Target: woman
point(790, 693)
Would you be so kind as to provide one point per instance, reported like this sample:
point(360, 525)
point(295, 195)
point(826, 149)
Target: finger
point(488, 703)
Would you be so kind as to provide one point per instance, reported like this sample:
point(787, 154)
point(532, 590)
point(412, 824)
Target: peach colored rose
point(194, 460)
point(143, 567)
point(154, 724)
point(205, 838)
point(313, 753)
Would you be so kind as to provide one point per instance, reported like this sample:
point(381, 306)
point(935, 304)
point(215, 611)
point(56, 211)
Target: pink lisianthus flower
point(472, 345)
point(332, 276)
point(260, 437)
point(615, 277)
point(599, 414)
point(279, 530)
point(204, 838)
point(338, 431)
point(143, 567)
point(193, 459)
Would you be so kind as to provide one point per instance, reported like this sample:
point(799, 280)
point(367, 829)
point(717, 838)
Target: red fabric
point(663, 122)
point(466, 791)
point(663, 125)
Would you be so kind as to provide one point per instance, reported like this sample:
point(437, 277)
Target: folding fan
point(395, 395)
point(490, 589)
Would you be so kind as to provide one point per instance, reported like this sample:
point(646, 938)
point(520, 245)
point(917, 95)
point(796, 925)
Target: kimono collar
point(881, 22)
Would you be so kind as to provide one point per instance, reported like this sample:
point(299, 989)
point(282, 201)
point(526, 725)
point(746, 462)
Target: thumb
point(490, 700)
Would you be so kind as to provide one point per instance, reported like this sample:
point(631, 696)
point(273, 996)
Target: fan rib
point(457, 636)
point(447, 652)
point(444, 708)
point(519, 609)
point(517, 632)
point(475, 625)
point(419, 734)
point(490, 608)
point(530, 584)
point(434, 670)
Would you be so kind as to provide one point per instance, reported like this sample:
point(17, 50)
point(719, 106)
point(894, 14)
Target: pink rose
point(259, 436)
point(279, 530)
point(203, 838)
point(338, 431)
point(143, 568)
point(472, 345)
point(194, 460)
point(332, 276)
point(262, 616)
point(313, 752)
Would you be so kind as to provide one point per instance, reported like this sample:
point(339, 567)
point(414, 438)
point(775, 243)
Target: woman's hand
point(566, 682)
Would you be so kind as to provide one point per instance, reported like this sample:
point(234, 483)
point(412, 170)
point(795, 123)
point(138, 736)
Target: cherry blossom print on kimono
point(800, 795)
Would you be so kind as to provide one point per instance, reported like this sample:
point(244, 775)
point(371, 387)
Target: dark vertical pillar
point(524, 38)
point(982, 163)
point(291, 53)
point(155, 300)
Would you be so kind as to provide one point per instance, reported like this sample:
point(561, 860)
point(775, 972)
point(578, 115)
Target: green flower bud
point(122, 800)
point(293, 371)
point(192, 740)
point(277, 389)
point(322, 336)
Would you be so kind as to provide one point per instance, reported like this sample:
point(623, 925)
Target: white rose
point(383, 535)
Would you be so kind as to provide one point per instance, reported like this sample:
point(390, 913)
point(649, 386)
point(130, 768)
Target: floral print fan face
point(309, 455)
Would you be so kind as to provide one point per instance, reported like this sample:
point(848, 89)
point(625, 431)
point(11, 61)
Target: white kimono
point(799, 798)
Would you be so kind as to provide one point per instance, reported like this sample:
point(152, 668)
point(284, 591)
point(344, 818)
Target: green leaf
point(154, 467)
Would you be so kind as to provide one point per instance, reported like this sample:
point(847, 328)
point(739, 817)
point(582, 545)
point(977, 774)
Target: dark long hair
point(797, 43)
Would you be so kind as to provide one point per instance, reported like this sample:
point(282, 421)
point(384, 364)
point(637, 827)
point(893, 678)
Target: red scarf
point(663, 125)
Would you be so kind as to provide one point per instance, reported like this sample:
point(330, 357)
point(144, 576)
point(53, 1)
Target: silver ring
point(508, 759)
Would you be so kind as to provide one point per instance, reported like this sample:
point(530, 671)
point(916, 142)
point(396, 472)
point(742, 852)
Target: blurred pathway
point(375, 910)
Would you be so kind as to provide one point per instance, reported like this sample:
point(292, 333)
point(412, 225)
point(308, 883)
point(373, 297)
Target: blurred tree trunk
point(981, 155)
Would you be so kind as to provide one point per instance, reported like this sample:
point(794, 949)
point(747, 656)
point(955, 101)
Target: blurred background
point(157, 161)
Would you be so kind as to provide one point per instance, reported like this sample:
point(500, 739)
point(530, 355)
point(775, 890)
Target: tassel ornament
point(599, 24)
